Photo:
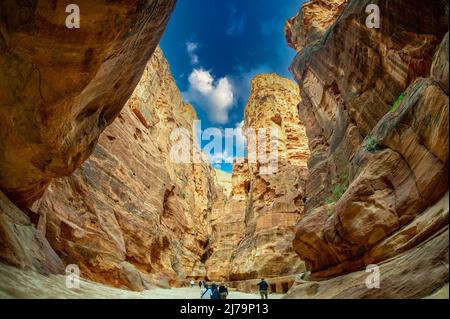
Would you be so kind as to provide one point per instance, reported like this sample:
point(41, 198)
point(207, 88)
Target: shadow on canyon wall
point(86, 176)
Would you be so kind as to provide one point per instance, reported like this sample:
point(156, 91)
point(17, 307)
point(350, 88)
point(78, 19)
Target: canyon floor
point(17, 283)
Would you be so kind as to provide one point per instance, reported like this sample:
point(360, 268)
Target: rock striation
point(225, 181)
point(312, 21)
point(61, 87)
point(375, 106)
point(21, 245)
point(256, 224)
point(130, 216)
point(227, 225)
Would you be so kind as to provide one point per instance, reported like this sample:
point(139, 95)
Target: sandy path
point(16, 283)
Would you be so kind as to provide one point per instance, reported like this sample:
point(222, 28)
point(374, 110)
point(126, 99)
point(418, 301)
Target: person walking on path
point(263, 287)
point(192, 283)
point(214, 291)
point(223, 291)
point(205, 293)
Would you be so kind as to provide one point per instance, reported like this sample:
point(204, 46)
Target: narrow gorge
point(87, 175)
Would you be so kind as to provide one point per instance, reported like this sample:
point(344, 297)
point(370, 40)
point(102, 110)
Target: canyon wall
point(130, 216)
point(61, 87)
point(227, 225)
point(375, 105)
point(255, 228)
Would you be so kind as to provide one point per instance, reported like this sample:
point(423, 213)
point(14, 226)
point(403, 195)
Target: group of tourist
point(212, 291)
point(221, 292)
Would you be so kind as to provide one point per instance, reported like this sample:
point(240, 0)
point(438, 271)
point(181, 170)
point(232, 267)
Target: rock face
point(227, 225)
point(224, 179)
point(130, 216)
point(415, 273)
point(256, 226)
point(21, 245)
point(375, 104)
point(60, 87)
point(312, 21)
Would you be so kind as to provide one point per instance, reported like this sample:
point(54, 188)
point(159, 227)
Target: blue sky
point(214, 48)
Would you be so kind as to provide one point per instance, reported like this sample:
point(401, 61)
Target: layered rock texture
point(224, 180)
point(61, 87)
point(256, 224)
point(130, 216)
point(312, 21)
point(375, 105)
point(227, 225)
point(21, 245)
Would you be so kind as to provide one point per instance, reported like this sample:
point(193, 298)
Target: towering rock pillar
point(274, 200)
point(259, 218)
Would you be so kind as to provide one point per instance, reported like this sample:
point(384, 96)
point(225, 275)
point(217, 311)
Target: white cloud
point(191, 48)
point(216, 97)
point(201, 81)
point(221, 157)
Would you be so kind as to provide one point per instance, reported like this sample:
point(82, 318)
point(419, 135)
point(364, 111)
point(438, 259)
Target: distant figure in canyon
point(263, 287)
point(223, 291)
point(192, 283)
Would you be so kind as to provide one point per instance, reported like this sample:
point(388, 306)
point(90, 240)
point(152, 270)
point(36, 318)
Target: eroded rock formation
point(312, 21)
point(227, 225)
point(21, 245)
point(61, 87)
point(130, 216)
point(375, 104)
point(256, 226)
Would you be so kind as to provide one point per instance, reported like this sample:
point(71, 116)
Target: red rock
point(21, 245)
point(60, 87)
point(375, 168)
point(130, 217)
point(255, 227)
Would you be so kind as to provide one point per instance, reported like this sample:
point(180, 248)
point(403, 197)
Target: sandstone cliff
point(312, 21)
point(130, 216)
point(375, 104)
point(224, 180)
point(256, 224)
point(60, 87)
point(21, 245)
point(227, 225)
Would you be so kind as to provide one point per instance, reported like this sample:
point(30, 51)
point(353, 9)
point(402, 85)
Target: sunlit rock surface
point(131, 216)
point(375, 105)
point(60, 87)
point(227, 225)
point(312, 21)
point(21, 245)
point(255, 227)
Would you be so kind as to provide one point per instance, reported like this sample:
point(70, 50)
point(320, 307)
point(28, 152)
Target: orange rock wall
point(60, 87)
point(375, 104)
point(255, 227)
point(130, 216)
